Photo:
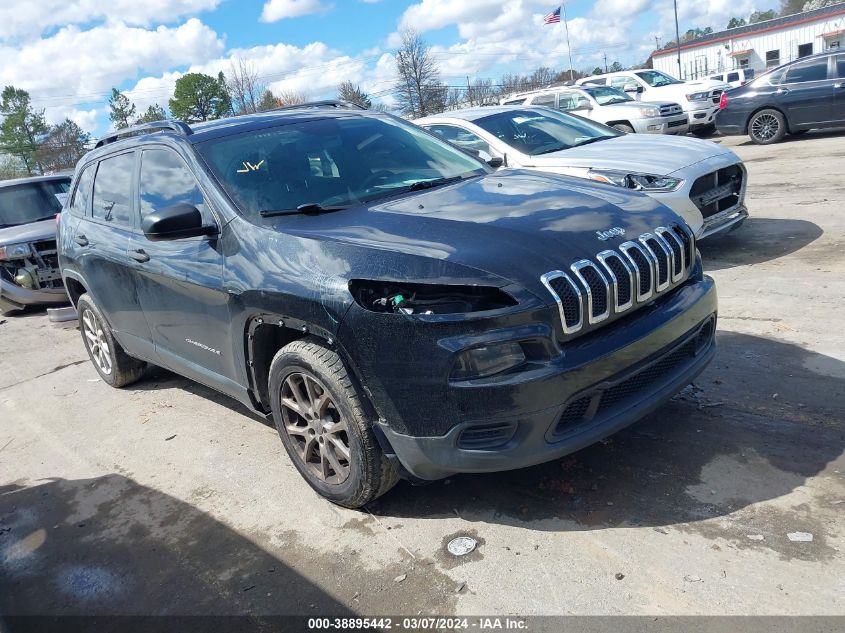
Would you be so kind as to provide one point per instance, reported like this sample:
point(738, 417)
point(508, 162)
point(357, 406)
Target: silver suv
point(609, 106)
point(29, 269)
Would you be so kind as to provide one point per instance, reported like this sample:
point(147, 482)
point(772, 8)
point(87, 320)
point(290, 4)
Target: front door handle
point(783, 91)
point(139, 255)
point(839, 85)
point(81, 240)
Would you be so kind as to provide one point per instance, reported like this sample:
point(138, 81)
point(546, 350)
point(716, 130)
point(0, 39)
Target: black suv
point(799, 96)
point(397, 307)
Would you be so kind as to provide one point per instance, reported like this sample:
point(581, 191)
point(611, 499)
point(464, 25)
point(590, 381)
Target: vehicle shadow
point(806, 136)
point(110, 546)
point(745, 434)
point(757, 240)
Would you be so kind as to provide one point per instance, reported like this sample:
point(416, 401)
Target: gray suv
point(29, 268)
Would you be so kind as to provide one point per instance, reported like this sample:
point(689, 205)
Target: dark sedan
point(805, 94)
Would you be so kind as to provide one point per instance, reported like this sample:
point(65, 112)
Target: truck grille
point(593, 291)
point(677, 123)
point(718, 191)
point(670, 110)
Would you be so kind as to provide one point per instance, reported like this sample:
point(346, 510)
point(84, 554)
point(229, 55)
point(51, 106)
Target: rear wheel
point(767, 127)
point(623, 127)
point(115, 366)
point(323, 426)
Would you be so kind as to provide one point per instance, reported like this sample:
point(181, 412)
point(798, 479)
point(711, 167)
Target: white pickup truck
point(609, 106)
point(699, 98)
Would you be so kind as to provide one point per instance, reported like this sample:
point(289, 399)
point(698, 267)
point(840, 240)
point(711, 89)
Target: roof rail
point(327, 103)
point(147, 128)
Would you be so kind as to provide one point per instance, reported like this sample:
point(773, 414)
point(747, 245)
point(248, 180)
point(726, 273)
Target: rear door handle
point(81, 240)
point(139, 255)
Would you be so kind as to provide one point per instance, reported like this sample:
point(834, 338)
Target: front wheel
point(323, 426)
point(767, 127)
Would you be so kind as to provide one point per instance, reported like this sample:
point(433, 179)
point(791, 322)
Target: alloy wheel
point(316, 428)
point(96, 340)
point(765, 127)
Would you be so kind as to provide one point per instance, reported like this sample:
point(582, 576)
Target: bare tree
point(418, 90)
point(244, 86)
point(293, 97)
point(481, 92)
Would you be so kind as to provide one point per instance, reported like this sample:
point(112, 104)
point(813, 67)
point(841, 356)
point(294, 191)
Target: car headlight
point(647, 113)
point(488, 360)
point(14, 251)
point(638, 182)
point(698, 96)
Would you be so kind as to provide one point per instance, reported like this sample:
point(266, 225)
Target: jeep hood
point(513, 225)
point(33, 232)
point(647, 153)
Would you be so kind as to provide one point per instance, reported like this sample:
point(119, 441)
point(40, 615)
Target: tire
point(623, 127)
point(766, 127)
point(304, 374)
point(115, 366)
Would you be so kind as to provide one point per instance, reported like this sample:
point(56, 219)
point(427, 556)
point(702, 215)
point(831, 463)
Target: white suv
point(699, 99)
point(609, 106)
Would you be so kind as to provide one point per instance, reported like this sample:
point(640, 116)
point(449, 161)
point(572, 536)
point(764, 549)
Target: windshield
point(330, 163)
point(535, 132)
point(32, 201)
point(607, 96)
point(655, 78)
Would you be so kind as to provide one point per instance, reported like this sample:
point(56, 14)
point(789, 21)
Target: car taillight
point(723, 101)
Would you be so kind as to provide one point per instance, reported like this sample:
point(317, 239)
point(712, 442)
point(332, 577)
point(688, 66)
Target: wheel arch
point(75, 286)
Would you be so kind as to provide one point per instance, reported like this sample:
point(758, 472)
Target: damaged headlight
point(424, 299)
point(638, 182)
point(481, 362)
point(14, 251)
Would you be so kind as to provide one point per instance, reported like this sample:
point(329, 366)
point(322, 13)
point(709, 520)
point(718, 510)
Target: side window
point(567, 101)
point(544, 100)
point(113, 189)
point(82, 194)
point(815, 70)
point(446, 132)
point(733, 77)
point(718, 77)
point(165, 181)
point(840, 66)
point(462, 138)
point(623, 82)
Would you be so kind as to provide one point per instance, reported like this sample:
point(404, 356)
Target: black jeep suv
point(395, 305)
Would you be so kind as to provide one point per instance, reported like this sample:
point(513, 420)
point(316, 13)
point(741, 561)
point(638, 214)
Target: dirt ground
point(167, 498)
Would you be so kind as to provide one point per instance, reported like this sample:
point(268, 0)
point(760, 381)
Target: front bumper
point(13, 297)
point(724, 222)
point(662, 125)
point(701, 116)
point(603, 368)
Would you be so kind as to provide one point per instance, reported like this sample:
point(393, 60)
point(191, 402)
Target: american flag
point(553, 17)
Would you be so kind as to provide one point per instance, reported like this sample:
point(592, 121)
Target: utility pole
point(605, 62)
point(657, 42)
point(677, 38)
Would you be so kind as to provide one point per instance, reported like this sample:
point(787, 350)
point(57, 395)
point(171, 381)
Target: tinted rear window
point(113, 189)
point(30, 202)
point(815, 70)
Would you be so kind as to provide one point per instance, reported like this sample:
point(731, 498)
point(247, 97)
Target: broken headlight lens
point(481, 362)
point(14, 251)
point(639, 182)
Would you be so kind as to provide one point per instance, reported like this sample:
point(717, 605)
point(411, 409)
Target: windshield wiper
point(430, 184)
point(593, 140)
point(309, 208)
point(549, 151)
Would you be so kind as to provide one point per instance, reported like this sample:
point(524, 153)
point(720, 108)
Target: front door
point(180, 282)
point(102, 248)
point(806, 93)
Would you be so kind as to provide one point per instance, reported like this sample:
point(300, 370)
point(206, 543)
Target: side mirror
point(640, 90)
point(633, 88)
point(584, 105)
point(175, 222)
point(496, 162)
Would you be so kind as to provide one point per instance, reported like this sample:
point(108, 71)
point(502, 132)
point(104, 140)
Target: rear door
point(102, 248)
point(838, 109)
point(806, 93)
point(181, 280)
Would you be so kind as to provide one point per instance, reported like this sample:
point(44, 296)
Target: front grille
point(670, 110)
point(718, 191)
point(599, 404)
point(677, 123)
point(650, 265)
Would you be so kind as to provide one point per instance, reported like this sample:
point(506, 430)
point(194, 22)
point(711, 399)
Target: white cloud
point(73, 67)
point(86, 119)
point(275, 10)
point(23, 19)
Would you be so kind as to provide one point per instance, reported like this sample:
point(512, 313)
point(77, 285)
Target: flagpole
point(568, 47)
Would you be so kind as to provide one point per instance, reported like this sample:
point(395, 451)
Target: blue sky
point(68, 54)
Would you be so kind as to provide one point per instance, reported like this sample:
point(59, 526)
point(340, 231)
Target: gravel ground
point(167, 498)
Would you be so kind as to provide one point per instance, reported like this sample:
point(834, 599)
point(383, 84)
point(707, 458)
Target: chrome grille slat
point(639, 270)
